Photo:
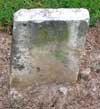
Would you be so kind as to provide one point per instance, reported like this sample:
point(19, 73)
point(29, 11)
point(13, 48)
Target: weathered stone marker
point(47, 45)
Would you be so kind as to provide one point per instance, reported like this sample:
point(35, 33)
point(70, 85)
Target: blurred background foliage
point(8, 7)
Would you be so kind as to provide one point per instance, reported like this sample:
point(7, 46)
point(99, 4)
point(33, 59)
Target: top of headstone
point(60, 14)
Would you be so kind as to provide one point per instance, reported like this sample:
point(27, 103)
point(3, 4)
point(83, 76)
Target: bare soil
point(85, 94)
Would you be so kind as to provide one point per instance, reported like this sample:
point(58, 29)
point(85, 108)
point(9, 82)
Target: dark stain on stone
point(83, 27)
point(24, 24)
point(18, 66)
point(38, 69)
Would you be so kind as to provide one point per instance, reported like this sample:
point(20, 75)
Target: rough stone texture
point(47, 46)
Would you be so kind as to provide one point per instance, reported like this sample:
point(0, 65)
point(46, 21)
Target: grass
point(8, 7)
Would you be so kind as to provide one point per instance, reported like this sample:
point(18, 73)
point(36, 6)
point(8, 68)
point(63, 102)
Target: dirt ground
point(85, 94)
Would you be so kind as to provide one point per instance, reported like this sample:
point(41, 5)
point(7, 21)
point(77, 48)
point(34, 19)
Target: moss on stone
point(60, 55)
point(51, 33)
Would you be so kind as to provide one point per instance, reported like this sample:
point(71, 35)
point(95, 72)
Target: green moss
point(52, 32)
point(60, 55)
point(42, 37)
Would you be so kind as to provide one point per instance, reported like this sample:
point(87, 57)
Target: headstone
point(47, 46)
